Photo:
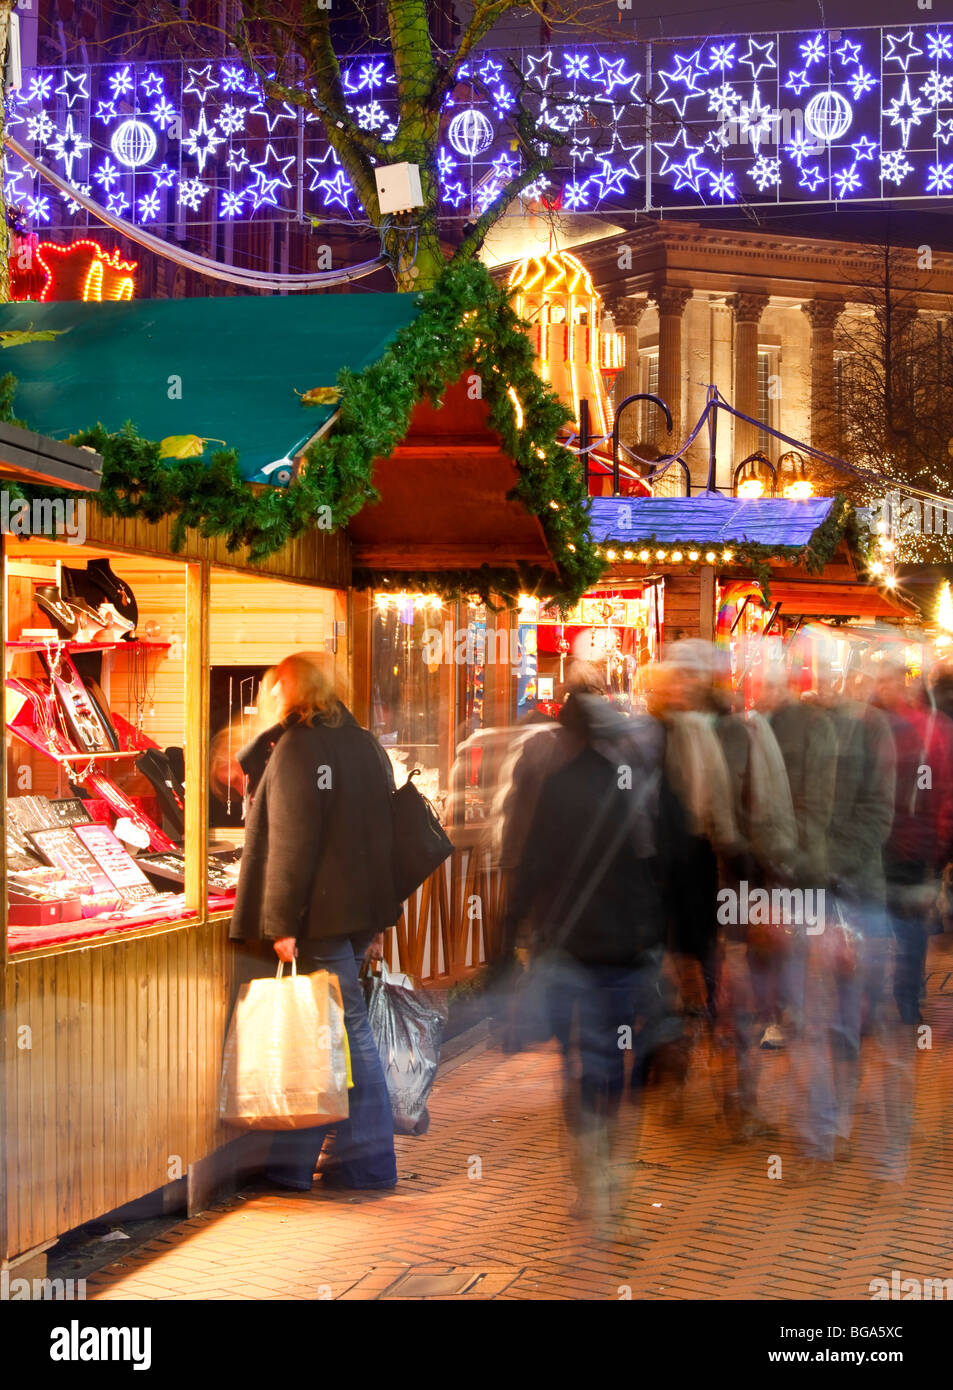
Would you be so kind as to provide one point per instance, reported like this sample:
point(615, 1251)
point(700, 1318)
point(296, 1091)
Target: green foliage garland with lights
point(466, 323)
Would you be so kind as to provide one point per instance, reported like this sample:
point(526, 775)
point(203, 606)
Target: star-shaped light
point(797, 81)
point(674, 149)
point(117, 203)
point(237, 159)
point(337, 190)
point(864, 148)
point(848, 52)
point(272, 174)
point(504, 168)
point(106, 112)
point(755, 119)
point(690, 173)
point(811, 177)
point(454, 193)
point(718, 138)
point(151, 84)
point(69, 145)
point(581, 149)
point(906, 111)
point(202, 140)
point(609, 180)
point(73, 87)
point(163, 176)
point(944, 131)
point(612, 75)
point(902, 50)
point(690, 69)
point(490, 72)
point(201, 82)
point(273, 115)
point(678, 97)
point(316, 165)
point(541, 70)
point(759, 56)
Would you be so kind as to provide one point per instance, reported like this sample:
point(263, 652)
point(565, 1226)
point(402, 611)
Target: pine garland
point(466, 323)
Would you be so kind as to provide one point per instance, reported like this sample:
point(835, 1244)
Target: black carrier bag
point(420, 842)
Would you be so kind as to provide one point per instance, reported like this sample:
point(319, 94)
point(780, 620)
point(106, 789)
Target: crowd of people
point(698, 876)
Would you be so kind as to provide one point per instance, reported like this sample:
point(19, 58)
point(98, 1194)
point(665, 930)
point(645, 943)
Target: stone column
point(748, 308)
point(823, 315)
point(628, 314)
point(670, 301)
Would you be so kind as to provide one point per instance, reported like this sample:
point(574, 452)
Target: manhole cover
point(434, 1285)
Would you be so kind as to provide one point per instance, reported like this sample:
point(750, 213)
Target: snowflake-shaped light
point(486, 193)
point(445, 163)
point(38, 209)
point(40, 127)
point(938, 89)
point(576, 195)
point(72, 206)
point(721, 56)
point(894, 166)
point(847, 180)
point(503, 100)
point(121, 82)
point(940, 178)
point(940, 45)
point(800, 148)
point(41, 88)
point(107, 174)
point(371, 115)
point(148, 206)
point(233, 77)
point(232, 204)
point(723, 100)
point(371, 76)
point(722, 186)
point(576, 65)
point(163, 113)
point(191, 193)
point(860, 83)
point(537, 188)
point(231, 119)
point(814, 50)
point(202, 141)
point(117, 203)
point(766, 172)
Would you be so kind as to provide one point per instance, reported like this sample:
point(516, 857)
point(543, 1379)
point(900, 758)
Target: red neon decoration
point(75, 270)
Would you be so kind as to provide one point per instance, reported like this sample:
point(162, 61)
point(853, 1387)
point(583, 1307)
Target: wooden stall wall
point(113, 1054)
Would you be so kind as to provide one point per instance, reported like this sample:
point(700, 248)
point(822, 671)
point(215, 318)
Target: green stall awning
point(224, 369)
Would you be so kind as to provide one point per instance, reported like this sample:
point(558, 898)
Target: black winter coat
point(319, 837)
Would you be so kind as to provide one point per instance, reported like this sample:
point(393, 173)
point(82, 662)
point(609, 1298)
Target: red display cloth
point(32, 938)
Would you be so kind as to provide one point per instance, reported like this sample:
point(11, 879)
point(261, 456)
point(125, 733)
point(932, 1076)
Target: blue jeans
point(360, 1153)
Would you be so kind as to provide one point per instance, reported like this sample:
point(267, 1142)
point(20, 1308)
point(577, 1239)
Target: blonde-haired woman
point(316, 881)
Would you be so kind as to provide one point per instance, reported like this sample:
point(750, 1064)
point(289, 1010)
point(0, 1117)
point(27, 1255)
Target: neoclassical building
point(761, 314)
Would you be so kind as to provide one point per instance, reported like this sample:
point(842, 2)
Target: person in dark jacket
point(589, 884)
point(316, 881)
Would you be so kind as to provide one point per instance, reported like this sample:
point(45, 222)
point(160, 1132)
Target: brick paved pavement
point(703, 1220)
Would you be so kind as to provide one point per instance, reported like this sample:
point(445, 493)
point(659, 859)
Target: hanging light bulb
point(751, 487)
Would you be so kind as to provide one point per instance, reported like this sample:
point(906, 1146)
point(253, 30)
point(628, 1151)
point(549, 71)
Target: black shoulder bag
point(420, 841)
